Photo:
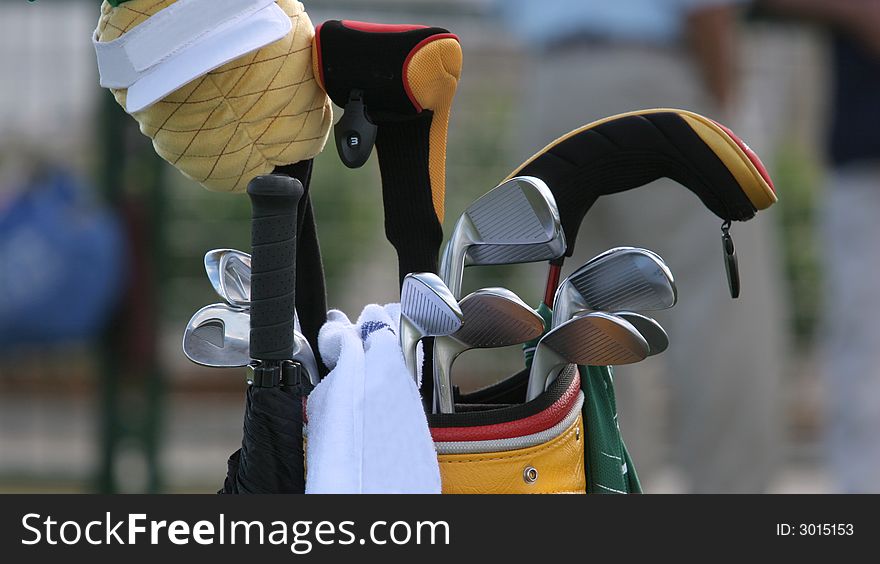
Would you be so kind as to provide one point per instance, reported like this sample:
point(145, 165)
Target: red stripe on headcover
point(521, 427)
point(753, 156)
point(380, 28)
point(320, 57)
point(409, 57)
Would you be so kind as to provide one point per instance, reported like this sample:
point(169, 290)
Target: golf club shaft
point(446, 350)
point(554, 274)
point(544, 365)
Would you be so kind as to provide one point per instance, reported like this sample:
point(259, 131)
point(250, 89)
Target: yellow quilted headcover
point(241, 120)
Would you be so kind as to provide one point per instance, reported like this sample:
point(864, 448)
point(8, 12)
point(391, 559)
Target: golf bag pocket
point(531, 448)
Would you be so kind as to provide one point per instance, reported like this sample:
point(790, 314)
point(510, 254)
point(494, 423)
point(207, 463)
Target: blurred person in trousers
point(850, 231)
point(709, 405)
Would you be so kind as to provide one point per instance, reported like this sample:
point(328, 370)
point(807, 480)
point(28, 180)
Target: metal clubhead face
point(496, 317)
point(231, 269)
point(229, 273)
point(218, 336)
point(235, 278)
point(212, 267)
point(493, 317)
point(595, 339)
point(513, 223)
point(427, 309)
point(625, 278)
point(651, 330)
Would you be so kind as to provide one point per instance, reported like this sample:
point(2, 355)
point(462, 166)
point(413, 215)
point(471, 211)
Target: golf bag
point(397, 84)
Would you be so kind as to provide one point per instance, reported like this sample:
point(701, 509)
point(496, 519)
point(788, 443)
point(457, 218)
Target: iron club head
point(235, 278)
point(513, 223)
point(212, 267)
point(218, 336)
point(650, 329)
point(229, 272)
point(427, 309)
point(493, 317)
point(232, 271)
point(595, 338)
point(624, 278)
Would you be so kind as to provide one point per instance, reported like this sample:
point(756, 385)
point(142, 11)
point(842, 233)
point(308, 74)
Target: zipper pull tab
point(731, 264)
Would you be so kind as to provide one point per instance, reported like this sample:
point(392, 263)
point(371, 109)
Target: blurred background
point(101, 242)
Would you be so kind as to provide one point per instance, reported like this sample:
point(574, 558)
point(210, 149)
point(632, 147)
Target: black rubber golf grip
point(274, 202)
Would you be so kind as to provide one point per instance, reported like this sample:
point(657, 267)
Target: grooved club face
point(493, 317)
point(625, 278)
point(591, 339)
point(235, 278)
point(429, 305)
point(427, 309)
point(229, 272)
point(496, 317)
point(513, 223)
point(597, 339)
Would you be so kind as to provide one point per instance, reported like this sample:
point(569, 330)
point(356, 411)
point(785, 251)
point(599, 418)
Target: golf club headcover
point(630, 150)
point(402, 79)
point(223, 88)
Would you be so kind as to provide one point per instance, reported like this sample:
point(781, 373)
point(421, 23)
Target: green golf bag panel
point(610, 469)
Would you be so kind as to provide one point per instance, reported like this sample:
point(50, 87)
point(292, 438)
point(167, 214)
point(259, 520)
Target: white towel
point(367, 429)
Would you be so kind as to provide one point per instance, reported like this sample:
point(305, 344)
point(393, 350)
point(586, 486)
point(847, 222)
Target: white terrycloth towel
point(367, 429)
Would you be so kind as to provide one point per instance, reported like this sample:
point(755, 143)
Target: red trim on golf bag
point(541, 421)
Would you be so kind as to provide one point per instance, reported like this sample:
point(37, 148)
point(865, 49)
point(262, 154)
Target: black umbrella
point(271, 458)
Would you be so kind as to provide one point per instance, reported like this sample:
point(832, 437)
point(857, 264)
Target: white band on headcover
point(186, 40)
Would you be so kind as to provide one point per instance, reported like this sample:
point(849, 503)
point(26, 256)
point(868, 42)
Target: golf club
point(493, 317)
point(212, 267)
point(513, 223)
point(427, 309)
point(235, 278)
point(234, 275)
point(218, 334)
point(595, 338)
point(624, 278)
point(650, 329)
point(229, 272)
